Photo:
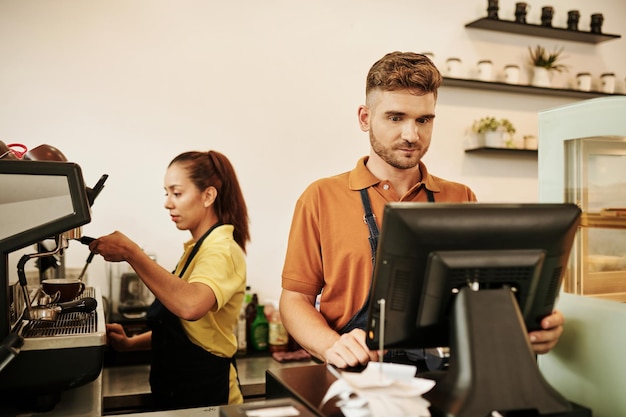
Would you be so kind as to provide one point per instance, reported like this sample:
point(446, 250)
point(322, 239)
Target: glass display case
point(582, 160)
point(595, 180)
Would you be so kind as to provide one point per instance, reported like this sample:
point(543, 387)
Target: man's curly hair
point(404, 71)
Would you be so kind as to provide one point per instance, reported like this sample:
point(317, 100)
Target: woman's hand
point(117, 338)
point(115, 247)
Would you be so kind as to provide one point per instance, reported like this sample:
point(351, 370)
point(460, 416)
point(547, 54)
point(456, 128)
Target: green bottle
point(259, 330)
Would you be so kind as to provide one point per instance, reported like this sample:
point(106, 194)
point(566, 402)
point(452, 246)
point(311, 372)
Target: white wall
point(122, 86)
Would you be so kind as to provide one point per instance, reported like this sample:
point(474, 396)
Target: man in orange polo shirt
point(331, 247)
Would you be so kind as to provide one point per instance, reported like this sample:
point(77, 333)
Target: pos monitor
point(473, 277)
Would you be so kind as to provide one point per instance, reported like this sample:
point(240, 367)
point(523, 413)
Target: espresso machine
point(42, 357)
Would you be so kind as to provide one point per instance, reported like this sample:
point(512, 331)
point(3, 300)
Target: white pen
point(381, 338)
point(333, 371)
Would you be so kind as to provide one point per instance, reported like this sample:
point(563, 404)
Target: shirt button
point(385, 186)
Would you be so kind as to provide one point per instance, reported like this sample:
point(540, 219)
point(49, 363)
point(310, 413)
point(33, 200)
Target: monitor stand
point(492, 366)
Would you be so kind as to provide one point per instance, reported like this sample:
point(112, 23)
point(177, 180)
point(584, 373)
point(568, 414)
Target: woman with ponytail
point(192, 319)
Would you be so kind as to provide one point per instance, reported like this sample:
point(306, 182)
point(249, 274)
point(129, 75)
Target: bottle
point(251, 315)
point(259, 330)
point(242, 340)
point(242, 329)
point(278, 337)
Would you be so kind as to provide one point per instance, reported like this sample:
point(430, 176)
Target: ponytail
point(231, 206)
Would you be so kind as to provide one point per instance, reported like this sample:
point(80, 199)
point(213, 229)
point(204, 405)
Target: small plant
point(491, 124)
point(540, 57)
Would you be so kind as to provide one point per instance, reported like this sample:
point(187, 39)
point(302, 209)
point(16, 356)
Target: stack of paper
point(381, 390)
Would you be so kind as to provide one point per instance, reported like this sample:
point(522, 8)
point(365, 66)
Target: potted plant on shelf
point(492, 132)
point(543, 63)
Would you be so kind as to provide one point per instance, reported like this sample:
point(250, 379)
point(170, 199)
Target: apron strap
point(196, 247)
point(359, 320)
point(431, 196)
point(370, 220)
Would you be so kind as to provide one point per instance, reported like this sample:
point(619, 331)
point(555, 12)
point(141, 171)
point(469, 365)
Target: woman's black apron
point(182, 374)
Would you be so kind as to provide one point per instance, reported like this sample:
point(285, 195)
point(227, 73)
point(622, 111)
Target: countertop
point(126, 389)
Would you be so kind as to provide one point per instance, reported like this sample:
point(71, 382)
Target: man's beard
point(388, 155)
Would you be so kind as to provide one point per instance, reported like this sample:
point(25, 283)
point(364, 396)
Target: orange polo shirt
point(328, 250)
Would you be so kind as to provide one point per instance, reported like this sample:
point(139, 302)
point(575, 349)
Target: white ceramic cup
point(429, 55)
point(608, 82)
point(485, 70)
point(453, 68)
point(530, 142)
point(511, 74)
point(583, 81)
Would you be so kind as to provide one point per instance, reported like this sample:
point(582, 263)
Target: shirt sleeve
point(302, 271)
point(217, 265)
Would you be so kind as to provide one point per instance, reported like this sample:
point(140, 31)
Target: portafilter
point(50, 312)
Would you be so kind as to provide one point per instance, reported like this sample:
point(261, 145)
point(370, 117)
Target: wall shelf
point(521, 88)
point(489, 150)
point(509, 26)
point(530, 29)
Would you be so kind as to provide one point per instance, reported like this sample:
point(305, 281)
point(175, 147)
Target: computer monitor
point(428, 252)
point(456, 275)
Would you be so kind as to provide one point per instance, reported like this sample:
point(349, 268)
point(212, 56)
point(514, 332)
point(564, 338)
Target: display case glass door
point(595, 180)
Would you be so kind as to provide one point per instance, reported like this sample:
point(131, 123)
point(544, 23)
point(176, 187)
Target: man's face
point(400, 125)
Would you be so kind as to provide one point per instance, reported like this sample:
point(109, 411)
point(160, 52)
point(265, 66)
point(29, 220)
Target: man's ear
point(210, 194)
point(364, 118)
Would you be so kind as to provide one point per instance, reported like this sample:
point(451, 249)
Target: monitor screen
point(40, 199)
point(427, 252)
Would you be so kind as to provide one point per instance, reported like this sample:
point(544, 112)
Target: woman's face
point(186, 204)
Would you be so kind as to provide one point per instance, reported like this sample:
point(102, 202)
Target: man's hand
point(542, 341)
point(307, 326)
point(350, 350)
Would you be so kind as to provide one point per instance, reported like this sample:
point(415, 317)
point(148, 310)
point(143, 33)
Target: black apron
point(359, 320)
point(182, 374)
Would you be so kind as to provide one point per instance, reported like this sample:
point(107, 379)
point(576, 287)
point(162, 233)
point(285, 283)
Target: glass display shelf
point(612, 221)
point(604, 270)
point(530, 29)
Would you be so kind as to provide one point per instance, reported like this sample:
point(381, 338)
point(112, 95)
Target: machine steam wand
point(61, 242)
